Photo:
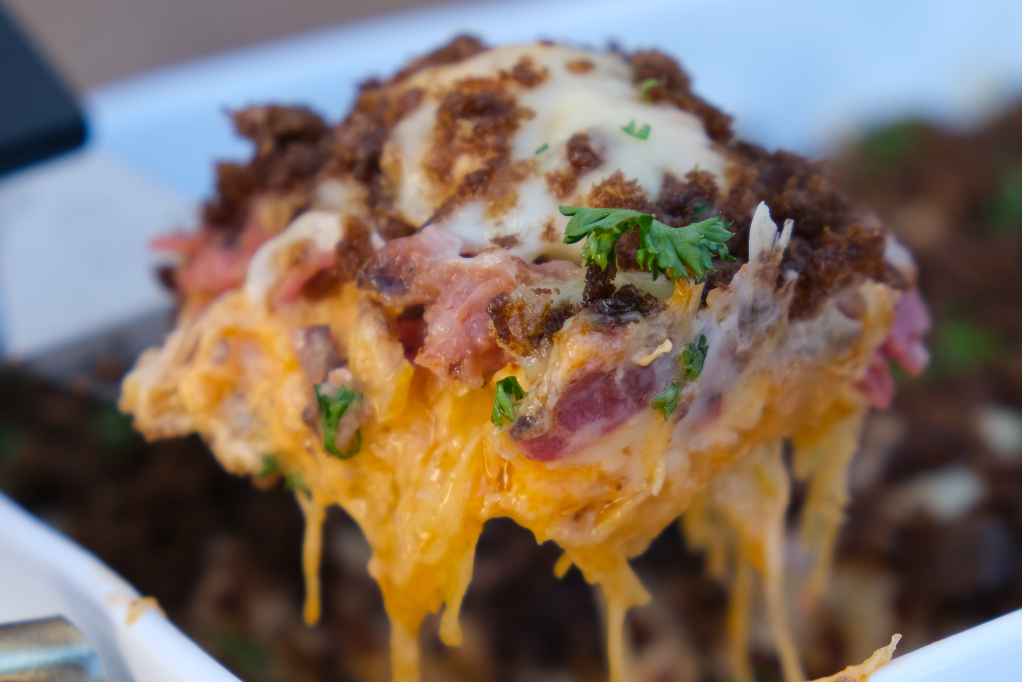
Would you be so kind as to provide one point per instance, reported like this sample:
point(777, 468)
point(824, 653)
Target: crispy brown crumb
point(582, 158)
point(580, 66)
point(629, 299)
point(294, 148)
point(520, 329)
point(829, 248)
point(506, 241)
point(166, 274)
point(526, 75)
point(550, 233)
point(674, 85)
point(683, 203)
point(599, 284)
point(461, 48)
point(292, 145)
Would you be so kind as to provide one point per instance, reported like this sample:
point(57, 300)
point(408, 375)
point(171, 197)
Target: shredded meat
point(351, 254)
point(426, 269)
point(315, 351)
point(590, 406)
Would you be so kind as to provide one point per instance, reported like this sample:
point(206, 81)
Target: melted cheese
point(432, 468)
point(598, 102)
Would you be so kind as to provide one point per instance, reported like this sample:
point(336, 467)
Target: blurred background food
point(933, 543)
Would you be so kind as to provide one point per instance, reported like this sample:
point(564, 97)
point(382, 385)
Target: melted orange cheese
point(433, 469)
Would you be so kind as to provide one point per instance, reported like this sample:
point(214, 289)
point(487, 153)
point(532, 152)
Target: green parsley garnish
point(331, 410)
point(506, 401)
point(295, 483)
point(543, 148)
point(667, 401)
point(677, 252)
point(646, 86)
point(693, 357)
point(642, 133)
point(270, 466)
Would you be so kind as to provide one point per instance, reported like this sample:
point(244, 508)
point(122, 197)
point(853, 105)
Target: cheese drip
point(432, 468)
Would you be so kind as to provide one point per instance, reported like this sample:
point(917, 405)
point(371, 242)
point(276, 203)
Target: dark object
point(47, 649)
point(38, 114)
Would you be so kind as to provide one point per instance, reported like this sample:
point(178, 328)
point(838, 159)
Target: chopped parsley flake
point(270, 466)
point(693, 357)
point(506, 401)
point(677, 252)
point(331, 410)
point(543, 148)
point(642, 133)
point(692, 360)
point(646, 86)
point(295, 483)
point(667, 402)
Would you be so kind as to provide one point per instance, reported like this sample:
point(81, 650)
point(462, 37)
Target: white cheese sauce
point(598, 102)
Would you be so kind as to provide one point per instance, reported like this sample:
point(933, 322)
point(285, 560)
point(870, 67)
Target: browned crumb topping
point(494, 183)
point(833, 244)
point(458, 50)
point(526, 75)
point(599, 284)
point(600, 294)
point(628, 299)
point(580, 66)
point(582, 158)
point(674, 85)
point(521, 326)
point(506, 241)
point(550, 232)
point(291, 146)
point(478, 117)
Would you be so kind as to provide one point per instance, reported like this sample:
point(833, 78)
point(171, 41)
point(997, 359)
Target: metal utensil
point(47, 650)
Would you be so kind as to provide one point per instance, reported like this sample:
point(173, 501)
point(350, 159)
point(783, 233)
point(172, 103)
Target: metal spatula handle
point(47, 650)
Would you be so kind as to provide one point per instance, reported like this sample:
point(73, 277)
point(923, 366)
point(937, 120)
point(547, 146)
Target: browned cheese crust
point(834, 244)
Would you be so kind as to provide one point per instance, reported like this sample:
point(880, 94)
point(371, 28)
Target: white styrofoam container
point(43, 574)
point(73, 231)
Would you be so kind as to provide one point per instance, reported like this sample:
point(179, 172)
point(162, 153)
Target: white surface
point(794, 73)
point(74, 258)
point(991, 652)
point(44, 574)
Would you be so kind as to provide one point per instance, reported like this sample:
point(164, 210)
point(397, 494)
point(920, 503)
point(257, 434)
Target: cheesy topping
point(597, 101)
point(485, 151)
